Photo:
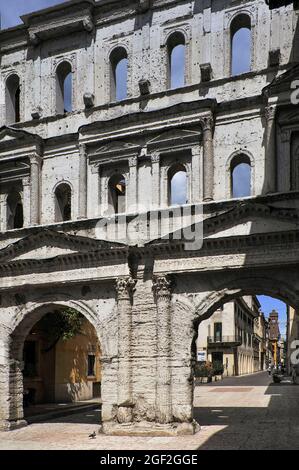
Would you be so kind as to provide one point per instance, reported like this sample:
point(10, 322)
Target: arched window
point(14, 207)
point(64, 88)
point(12, 99)
point(240, 171)
point(63, 203)
point(176, 60)
point(117, 194)
point(177, 185)
point(241, 44)
point(119, 74)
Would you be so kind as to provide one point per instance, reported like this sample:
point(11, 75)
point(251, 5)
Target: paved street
point(240, 413)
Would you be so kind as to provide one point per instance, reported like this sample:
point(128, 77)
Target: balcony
point(224, 341)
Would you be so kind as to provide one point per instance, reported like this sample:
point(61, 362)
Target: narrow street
point(248, 412)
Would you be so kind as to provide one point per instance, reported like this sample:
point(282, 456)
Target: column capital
point(82, 148)
point(35, 159)
point(270, 111)
point(207, 123)
point(133, 161)
point(162, 286)
point(155, 157)
point(125, 287)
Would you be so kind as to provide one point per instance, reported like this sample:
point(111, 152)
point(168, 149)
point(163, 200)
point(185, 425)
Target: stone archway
point(11, 404)
point(196, 310)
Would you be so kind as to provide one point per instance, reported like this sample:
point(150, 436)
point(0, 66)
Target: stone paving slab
point(264, 417)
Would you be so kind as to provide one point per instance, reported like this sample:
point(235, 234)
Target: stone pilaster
point(133, 184)
point(82, 212)
point(155, 159)
point(35, 181)
point(162, 289)
point(208, 158)
point(124, 288)
point(270, 151)
point(195, 175)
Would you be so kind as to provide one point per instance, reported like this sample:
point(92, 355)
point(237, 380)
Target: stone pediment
point(250, 218)
point(246, 220)
point(282, 82)
point(117, 147)
point(10, 135)
point(48, 244)
point(174, 137)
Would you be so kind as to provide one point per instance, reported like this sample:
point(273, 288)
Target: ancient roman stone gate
point(74, 173)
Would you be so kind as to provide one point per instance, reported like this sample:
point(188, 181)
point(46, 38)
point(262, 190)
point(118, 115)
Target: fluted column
point(35, 177)
point(270, 151)
point(155, 159)
point(208, 158)
point(162, 289)
point(82, 212)
point(124, 288)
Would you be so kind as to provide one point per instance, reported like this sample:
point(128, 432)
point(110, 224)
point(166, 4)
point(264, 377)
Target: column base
point(145, 428)
point(6, 425)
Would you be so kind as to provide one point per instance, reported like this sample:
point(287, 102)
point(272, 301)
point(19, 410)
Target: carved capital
point(207, 123)
point(35, 159)
point(162, 286)
point(125, 287)
point(270, 112)
point(133, 161)
point(155, 157)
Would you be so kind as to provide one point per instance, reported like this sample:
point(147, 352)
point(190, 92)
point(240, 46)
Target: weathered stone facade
point(145, 299)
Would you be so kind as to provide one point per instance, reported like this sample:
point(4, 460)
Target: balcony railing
point(231, 340)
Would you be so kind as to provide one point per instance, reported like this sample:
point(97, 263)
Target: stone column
point(162, 291)
point(270, 151)
point(26, 201)
point(124, 288)
point(82, 209)
point(155, 159)
point(35, 181)
point(133, 185)
point(195, 175)
point(208, 158)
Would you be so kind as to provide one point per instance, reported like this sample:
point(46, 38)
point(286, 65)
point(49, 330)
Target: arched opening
point(236, 350)
point(60, 354)
point(117, 194)
point(64, 88)
point(240, 176)
point(63, 203)
point(119, 74)
point(241, 44)
point(177, 185)
point(12, 99)
point(14, 211)
point(176, 50)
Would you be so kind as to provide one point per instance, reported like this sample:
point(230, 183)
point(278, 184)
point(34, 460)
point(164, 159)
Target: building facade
point(78, 167)
point(229, 336)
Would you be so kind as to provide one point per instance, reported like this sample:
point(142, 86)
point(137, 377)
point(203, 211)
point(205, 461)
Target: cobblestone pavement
point(241, 413)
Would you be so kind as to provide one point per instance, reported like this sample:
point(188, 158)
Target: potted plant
point(204, 372)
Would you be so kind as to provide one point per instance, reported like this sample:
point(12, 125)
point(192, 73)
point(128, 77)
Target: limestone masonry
point(115, 144)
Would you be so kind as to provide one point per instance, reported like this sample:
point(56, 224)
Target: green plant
point(203, 370)
point(218, 368)
point(61, 324)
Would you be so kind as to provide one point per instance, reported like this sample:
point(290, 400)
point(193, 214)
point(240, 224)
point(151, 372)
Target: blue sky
point(268, 304)
point(12, 9)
